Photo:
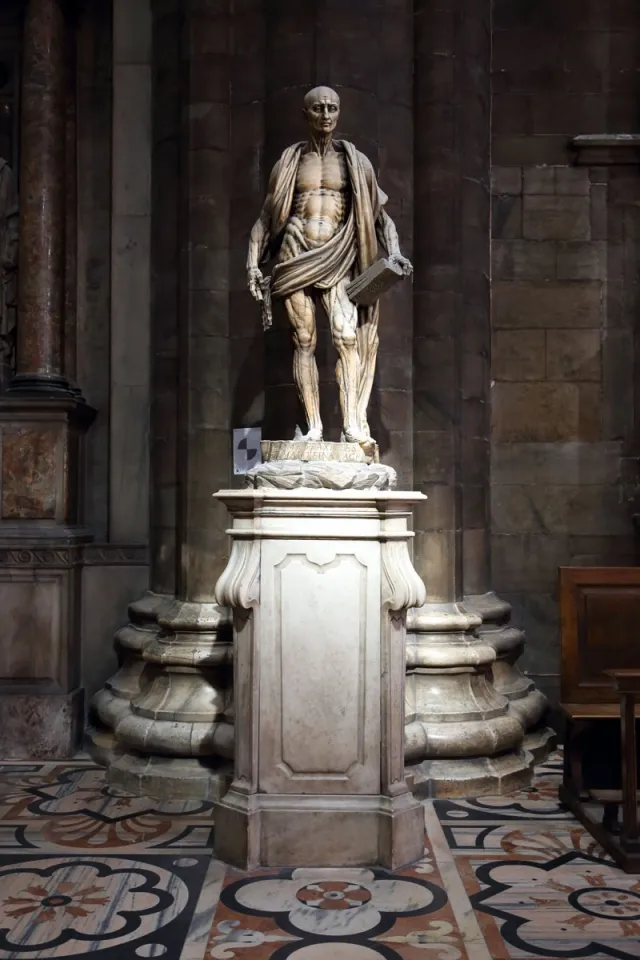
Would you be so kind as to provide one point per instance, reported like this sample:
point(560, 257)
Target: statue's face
point(322, 113)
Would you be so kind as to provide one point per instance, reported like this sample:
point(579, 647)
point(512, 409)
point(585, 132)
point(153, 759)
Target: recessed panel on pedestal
point(30, 651)
point(29, 472)
point(320, 727)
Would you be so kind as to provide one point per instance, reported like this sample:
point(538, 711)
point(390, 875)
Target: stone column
point(132, 34)
point(42, 427)
point(460, 736)
point(177, 729)
point(41, 283)
point(69, 335)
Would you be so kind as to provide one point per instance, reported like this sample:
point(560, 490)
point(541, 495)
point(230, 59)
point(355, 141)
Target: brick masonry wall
point(566, 257)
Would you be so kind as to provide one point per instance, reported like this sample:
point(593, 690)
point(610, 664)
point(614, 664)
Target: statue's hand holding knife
point(260, 290)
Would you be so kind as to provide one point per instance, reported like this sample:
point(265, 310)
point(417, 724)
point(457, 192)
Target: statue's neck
point(321, 144)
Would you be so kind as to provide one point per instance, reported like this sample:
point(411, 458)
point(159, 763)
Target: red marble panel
point(29, 473)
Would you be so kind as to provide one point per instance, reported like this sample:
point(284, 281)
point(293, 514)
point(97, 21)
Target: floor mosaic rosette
point(87, 871)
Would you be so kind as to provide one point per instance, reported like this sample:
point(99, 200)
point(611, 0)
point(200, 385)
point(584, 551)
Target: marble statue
point(322, 220)
point(8, 270)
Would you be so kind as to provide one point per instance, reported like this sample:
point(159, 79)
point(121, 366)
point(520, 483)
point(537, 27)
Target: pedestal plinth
point(319, 581)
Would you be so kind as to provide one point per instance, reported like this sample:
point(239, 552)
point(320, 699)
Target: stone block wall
point(564, 302)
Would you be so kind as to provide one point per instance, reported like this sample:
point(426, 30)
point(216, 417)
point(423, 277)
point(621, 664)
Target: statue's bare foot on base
point(313, 436)
point(356, 435)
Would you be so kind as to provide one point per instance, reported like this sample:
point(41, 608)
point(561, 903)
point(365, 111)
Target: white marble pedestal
point(319, 582)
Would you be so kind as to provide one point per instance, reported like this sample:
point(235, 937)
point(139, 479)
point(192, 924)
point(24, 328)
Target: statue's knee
point(346, 340)
point(304, 341)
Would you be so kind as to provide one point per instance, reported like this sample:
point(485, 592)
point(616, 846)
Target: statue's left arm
point(388, 239)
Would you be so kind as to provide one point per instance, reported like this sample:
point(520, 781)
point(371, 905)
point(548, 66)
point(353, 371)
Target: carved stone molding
point(115, 554)
point(93, 555)
point(610, 149)
point(40, 557)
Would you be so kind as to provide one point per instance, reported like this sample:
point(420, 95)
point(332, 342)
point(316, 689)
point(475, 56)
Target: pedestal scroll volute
point(319, 582)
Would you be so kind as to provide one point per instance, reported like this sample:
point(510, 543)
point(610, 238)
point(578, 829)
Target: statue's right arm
point(259, 240)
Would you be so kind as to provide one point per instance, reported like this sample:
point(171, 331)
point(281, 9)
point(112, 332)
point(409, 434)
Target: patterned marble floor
point(83, 872)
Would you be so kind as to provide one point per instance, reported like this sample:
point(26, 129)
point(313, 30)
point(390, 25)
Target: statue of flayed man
point(322, 220)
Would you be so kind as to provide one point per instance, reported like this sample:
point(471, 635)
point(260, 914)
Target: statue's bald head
point(318, 94)
point(322, 109)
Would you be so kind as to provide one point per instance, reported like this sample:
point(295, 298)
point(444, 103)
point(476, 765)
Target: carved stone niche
point(319, 581)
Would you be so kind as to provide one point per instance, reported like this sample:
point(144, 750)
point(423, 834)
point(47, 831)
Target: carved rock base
point(461, 739)
point(292, 474)
point(319, 583)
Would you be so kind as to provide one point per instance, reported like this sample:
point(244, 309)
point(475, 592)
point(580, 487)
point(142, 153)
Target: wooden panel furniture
point(600, 681)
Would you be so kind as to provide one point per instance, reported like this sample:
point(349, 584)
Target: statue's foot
point(357, 435)
point(313, 436)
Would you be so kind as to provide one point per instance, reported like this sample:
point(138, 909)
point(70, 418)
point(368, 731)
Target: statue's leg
point(368, 347)
point(343, 320)
point(301, 313)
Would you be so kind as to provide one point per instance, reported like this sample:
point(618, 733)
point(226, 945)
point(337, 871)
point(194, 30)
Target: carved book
point(366, 289)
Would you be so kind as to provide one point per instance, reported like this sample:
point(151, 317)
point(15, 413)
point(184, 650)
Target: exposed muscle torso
point(320, 202)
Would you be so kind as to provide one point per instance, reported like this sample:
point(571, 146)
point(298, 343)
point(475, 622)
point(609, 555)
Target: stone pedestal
point(319, 581)
point(41, 541)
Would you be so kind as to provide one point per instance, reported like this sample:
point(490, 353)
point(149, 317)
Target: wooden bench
point(600, 681)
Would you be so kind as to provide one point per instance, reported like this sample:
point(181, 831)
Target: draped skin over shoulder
point(356, 241)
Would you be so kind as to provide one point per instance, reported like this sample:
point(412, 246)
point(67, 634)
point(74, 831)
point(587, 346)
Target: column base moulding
point(49, 386)
point(319, 581)
point(461, 738)
point(540, 743)
point(175, 736)
point(113, 702)
point(528, 704)
point(169, 778)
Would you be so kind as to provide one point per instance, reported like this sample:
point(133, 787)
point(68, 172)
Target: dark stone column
point(43, 422)
point(460, 736)
point(175, 737)
point(42, 201)
point(69, 336)
point(247, 341)
point(113, 702)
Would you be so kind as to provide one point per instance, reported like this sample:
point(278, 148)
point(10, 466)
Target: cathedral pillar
point(461, 736)
point(169, 706)
point(162, 34)
point(42, 427)
point(41, 281)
